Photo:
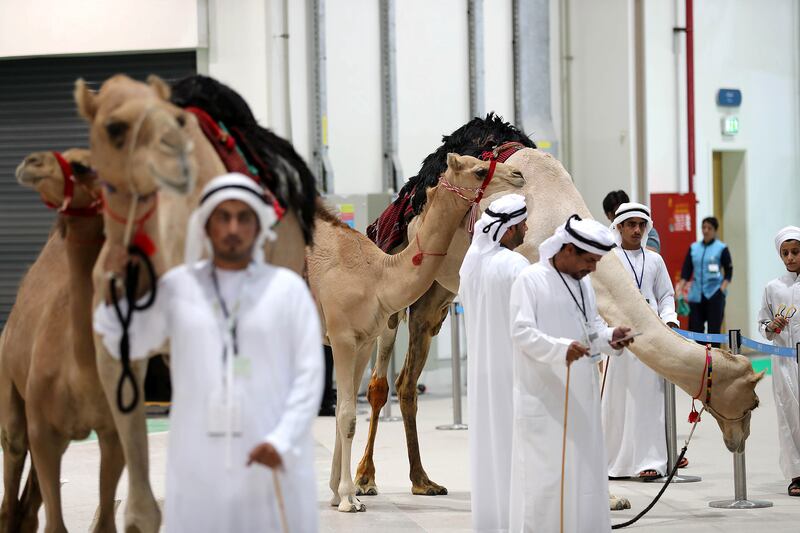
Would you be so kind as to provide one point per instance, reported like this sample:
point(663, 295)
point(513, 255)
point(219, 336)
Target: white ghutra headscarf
point(233, 186)
point(786, 234)
point(588, 235)
point(502, 214)
point(631, 210)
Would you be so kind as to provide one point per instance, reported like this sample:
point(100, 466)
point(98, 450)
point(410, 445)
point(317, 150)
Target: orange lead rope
point(564, 445)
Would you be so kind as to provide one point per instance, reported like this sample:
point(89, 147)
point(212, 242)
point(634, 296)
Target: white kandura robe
point(486, 280)
point(633, 400)
point(544, 321)
point(785, 290)
point(209, 486)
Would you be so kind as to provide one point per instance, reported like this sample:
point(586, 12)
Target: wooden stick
point(279, 496)
point(564, 445)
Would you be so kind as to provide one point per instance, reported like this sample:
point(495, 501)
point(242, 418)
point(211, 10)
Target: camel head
point(43, 172)
point(467, 173)
point(137, 137)
point(733, 397)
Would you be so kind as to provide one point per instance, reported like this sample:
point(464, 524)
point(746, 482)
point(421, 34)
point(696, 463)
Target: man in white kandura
point(633, 396)
point(554, 324)
point(489, 269)
point(246, 366)
point(780, 323)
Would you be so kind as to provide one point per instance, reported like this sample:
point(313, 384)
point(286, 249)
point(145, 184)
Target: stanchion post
point(455, 359)
point(386, 412)
point(739, 500)
point(672, 438)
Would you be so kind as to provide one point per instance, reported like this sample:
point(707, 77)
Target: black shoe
point(327, 410)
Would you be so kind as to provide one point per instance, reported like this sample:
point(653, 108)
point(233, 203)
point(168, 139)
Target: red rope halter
point(140, 238)
point(69, 192)
point(694, 416)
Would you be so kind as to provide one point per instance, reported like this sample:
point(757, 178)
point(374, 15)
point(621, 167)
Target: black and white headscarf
point(588, 235)
point(233, 186)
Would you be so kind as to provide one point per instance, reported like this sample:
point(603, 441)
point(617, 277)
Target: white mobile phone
point(626, 338)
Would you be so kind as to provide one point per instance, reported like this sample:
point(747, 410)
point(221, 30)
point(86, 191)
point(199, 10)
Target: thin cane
point(279, 496)
point(605, 374)
point(564, 445)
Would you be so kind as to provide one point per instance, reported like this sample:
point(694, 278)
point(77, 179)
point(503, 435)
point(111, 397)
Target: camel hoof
point(618, 504)
point(428, 489)
point(351, 505)
point(335, 500)
point(369, 489)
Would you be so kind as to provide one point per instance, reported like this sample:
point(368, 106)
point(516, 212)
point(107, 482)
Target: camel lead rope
point(564, 445)
point(279, 496)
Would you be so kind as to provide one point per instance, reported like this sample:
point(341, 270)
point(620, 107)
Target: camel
point(427, 314)
point(358, 287)
point(154, 159)
point(50, 392)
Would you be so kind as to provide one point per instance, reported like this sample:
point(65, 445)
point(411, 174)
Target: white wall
point(48, 27)
point(603, 102)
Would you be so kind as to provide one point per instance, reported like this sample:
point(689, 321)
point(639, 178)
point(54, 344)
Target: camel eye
point(116, 132)
point(481, 172)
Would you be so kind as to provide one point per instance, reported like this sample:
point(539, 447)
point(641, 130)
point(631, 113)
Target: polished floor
point(683, 507)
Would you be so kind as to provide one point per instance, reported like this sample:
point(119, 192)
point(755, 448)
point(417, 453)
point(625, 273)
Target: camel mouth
point(182, 185)
point(28, 180)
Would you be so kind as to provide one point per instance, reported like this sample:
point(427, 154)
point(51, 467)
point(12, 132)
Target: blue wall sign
point(729, 97)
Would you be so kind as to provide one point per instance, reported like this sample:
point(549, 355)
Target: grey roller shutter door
point(37, 113)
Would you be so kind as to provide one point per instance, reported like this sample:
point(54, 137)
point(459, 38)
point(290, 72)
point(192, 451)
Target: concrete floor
point(683, 507)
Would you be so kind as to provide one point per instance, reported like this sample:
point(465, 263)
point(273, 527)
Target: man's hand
point(673, 325)
point(619, 333)
point(780, 322)
point(575, 351)
point(265, 454)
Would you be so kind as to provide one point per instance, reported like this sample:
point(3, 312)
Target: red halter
point(69, 192)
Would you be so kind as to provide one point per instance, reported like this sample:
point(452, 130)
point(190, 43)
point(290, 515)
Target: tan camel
point(144, 147)
point(358, 287)
point(549, 185)
point(50, 393)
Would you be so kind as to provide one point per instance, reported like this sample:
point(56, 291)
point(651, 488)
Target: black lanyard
point(581, 308)
point(226, 314)
point(639, 280)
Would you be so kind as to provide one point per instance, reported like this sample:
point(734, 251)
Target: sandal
point(683, 463)
point(794, 487)
point(647, 475)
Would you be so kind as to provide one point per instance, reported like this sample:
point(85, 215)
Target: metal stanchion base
point(677, 479)
point(452, 426)
point(740, 504)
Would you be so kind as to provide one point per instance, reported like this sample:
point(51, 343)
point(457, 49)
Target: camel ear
point(160, 86)
point(453, 162)
point(85, 99)
point(755, 378)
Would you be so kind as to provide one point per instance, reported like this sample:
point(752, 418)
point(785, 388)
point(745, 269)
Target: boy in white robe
point(780, 323)
point(489, 269)
point(555, 324)
point(246, 367)
point(633, 397)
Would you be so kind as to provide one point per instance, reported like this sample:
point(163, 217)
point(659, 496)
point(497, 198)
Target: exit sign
point(730, 125)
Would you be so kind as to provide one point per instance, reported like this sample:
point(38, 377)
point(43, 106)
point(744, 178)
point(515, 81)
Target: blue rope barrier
point(769, 348)
point(702, 337)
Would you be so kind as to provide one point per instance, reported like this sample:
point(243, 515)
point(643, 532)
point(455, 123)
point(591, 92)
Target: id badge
point(713, 268)
point(242, 367)
point(592, 336)
point(222, 417)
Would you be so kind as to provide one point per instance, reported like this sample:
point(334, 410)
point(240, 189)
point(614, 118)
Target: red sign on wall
point(674, 220)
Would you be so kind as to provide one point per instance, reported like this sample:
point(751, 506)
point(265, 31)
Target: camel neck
point(440, 220)
point(83, 240)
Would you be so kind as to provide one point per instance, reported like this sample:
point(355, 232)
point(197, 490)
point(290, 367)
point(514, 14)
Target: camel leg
point(14, 439)
point(142, 514)
point(30, 502)
point(336, 461)
point(47, 447)
point(344, 353)
point(378, 394)
point(112, 461)
point(425, 318)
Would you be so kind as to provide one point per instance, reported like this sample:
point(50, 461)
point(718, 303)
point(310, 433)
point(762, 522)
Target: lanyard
point(639, 280)
point(229, 318)
point(582, 308)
